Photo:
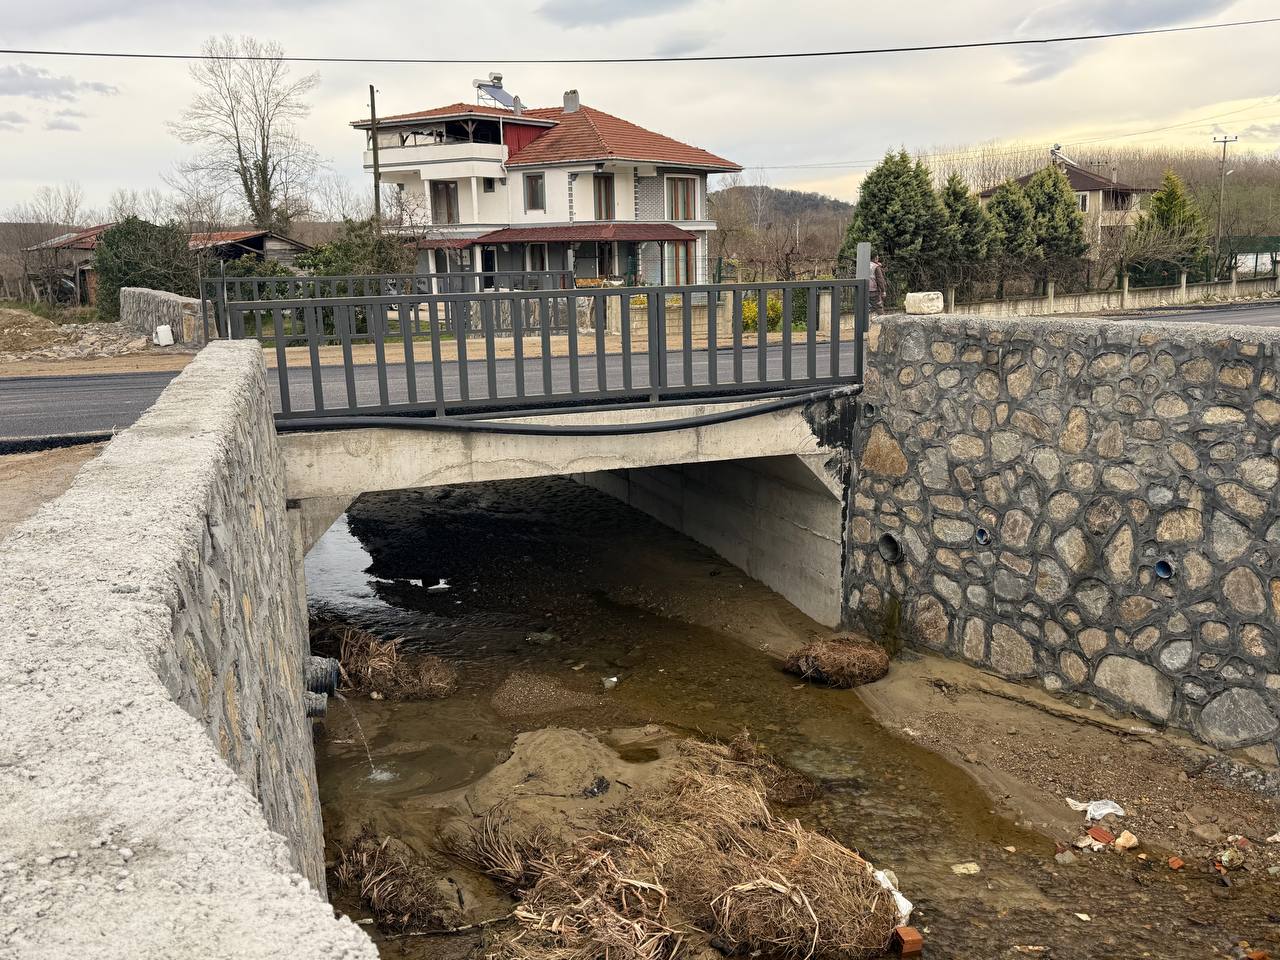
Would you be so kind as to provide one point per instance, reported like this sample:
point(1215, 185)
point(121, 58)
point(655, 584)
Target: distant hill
point(786, 204)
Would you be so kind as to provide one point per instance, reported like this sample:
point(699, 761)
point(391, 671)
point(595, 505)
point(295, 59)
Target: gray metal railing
point(438, 353)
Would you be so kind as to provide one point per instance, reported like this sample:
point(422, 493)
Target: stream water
point(555, 579)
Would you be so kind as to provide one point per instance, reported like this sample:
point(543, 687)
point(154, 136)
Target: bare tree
point(52, 212)
point(149, 204)
point(245, 114)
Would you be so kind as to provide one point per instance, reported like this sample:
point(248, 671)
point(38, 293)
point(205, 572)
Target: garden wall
point(1091, 504)
point(142, 310)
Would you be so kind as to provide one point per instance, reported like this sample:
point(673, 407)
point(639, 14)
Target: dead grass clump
point(839, 662)
point(698, 858)
point(782, 784)
point(370, 664)
point(495, 848)
point(400, 888)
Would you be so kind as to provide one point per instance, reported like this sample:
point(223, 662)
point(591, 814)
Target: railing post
point(1049, 291)
point(1182, 286)
point(1124, 291)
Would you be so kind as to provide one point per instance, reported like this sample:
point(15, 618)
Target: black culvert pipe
point(321, 675)
point(359, 422)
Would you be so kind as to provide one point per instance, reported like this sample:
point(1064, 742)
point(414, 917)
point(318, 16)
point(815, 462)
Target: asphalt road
point(99, 403)
point(1265, 313)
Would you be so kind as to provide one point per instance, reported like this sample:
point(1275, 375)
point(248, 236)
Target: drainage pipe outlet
point(321, 674)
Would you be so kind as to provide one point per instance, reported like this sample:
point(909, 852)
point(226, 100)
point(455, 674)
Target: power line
point(1020, 151)
point(697, 58)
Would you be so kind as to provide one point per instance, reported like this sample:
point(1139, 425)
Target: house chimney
point(571, 102)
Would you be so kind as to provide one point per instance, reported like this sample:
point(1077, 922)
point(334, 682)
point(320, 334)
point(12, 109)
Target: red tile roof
point(443, 243)
point(586, 134)
point(1081, 180)
point(586, 231)
point(591, 134)
point(453, 110)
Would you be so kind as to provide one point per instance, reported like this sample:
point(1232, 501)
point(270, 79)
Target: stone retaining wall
point(157, 781)
point(1135, 298)
point(142, 310)
point(1092, 504)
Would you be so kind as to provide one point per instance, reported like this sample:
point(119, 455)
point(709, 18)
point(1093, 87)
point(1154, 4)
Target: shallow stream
point(551, 578)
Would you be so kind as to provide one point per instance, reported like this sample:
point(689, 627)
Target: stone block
point(918, 304)
point(1237, 718)
point(1136, 685)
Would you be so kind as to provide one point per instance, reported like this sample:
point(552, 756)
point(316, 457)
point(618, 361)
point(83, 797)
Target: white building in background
point(505, 188)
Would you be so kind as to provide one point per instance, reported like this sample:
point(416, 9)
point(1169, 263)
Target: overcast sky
point(102, 122)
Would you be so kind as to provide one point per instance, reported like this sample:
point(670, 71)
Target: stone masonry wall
point(1092, 504)
point(157, 780)
point(142, 310)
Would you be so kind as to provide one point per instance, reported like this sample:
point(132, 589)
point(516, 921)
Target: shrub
point(135, 253)
point(773, 313)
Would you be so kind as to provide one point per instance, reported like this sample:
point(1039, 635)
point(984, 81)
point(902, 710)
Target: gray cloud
point(597, 13)
point(36, 83)
point(1098, 16)
point(1259, 131)
point(681, 45)
point(11, 120)
point(61, 123)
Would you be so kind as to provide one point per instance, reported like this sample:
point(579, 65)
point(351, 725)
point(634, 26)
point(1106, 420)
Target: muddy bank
point(552, 581)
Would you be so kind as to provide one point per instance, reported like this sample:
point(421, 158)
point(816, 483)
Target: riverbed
point(548, 582)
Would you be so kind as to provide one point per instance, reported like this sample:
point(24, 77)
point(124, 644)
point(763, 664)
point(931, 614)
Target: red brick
point(1102, 835)
point(908, 942)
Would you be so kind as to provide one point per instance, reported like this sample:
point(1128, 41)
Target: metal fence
point(412, 350)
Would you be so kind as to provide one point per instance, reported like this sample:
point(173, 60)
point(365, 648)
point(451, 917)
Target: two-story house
point(554, 188)
point(1107, 204)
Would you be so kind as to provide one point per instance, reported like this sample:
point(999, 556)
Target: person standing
point(876, 285)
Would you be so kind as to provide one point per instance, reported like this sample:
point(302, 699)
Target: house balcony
point(446, 160)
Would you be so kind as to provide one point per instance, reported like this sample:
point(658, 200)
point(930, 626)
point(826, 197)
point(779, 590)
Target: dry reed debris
point(701, 857)
point(370, 664)
point(399, 887)
point(839, 661)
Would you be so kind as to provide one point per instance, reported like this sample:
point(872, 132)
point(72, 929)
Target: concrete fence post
point(825, 323)
point(1049, 292)
point(1182, 286)
point(950, 294)
point(1124, 291)
point(1234, 289)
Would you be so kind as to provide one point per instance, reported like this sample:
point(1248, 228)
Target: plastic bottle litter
point(1096, 809)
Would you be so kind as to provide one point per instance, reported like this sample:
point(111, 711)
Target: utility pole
point(1222, 194)
point(377, 174)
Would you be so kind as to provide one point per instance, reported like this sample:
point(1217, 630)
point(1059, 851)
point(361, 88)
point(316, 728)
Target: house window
point(1082, 201)
point(488, 184)
point(535, 194)
point(680, 262)
point(444, 201)
point(682, 198)
point(604, 196)
point(537, 256)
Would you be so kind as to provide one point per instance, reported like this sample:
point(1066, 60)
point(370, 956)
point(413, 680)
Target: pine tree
point(1059, 224)
point(965, 238)
point(1173, 220)
point(1013, 232)
point(899, 215)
